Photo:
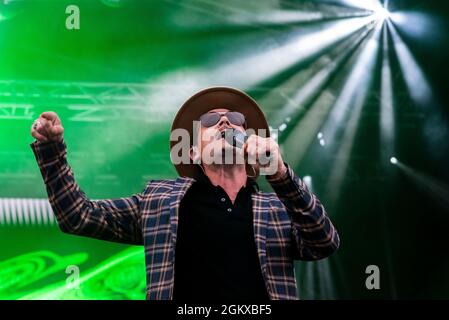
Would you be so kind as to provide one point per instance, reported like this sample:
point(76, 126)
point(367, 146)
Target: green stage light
point(115, 3)
point(11, 8)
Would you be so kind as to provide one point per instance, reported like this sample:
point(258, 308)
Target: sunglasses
point(212, 118)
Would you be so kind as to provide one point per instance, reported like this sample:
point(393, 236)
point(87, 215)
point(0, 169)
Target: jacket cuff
point(290, 185)
point(48, 151)
point(279, 180)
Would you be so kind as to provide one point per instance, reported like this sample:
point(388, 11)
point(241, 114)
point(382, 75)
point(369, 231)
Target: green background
point(117, 82)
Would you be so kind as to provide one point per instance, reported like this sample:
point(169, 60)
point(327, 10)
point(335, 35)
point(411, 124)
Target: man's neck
point(230, 177)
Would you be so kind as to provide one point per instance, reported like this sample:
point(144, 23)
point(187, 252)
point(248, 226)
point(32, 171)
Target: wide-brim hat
point(215, 98)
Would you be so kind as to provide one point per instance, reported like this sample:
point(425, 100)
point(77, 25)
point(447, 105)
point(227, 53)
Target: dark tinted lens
point(210, 119)
point(236, 118)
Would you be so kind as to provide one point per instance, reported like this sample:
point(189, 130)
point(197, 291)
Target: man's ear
point(195, 154)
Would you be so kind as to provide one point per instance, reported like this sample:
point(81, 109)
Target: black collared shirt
point(216, 257)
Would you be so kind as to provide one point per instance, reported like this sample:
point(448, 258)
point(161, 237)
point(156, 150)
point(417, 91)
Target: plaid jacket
point(288, 224)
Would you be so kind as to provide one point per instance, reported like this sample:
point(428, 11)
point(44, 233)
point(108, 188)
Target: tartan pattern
point(288, 224)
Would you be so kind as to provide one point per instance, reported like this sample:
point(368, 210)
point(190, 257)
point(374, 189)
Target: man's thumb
point(56, 130)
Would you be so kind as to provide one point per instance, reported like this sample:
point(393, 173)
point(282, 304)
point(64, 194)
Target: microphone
point(234, 137)
point(237, 139)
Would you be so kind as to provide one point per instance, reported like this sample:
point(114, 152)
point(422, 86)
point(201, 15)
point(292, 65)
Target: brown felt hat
point(215, 98)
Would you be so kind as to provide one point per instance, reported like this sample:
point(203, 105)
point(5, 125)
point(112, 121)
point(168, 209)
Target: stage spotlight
point(114, 3)
point(282, 127)
point(387, 123)
point(393, 160)
point(10, 8)
point(382, 13)
point(308, 181)
point(415, 79)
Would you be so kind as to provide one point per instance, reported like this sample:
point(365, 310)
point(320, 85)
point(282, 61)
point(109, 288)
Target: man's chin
point(230, 155)
point(224, 155)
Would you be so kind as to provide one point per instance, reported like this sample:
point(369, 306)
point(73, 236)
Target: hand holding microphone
point(264, 152)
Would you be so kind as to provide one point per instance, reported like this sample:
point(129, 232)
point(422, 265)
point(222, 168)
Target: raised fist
point(47, 127)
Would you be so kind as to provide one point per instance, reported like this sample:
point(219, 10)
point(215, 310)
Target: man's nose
point(224, 121)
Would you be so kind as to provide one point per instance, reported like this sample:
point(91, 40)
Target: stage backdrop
point(356, 96)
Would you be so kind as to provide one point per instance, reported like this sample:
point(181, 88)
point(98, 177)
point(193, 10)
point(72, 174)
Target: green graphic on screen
point(120, 277)
point(343, 95)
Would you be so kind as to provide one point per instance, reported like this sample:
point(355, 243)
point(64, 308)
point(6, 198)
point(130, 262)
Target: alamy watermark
point(73, 279)
point(373, 280)
point(72, 22)
point(215, 150)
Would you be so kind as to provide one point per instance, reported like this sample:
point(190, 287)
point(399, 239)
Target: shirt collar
point(251, 183)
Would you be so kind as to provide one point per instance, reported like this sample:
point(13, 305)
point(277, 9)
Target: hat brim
point(215, 98)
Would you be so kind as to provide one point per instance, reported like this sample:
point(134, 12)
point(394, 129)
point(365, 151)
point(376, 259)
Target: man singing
point(210, 234)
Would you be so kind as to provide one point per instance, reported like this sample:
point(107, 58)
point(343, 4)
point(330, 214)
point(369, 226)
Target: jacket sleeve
point(115, 220)
point(313, 234)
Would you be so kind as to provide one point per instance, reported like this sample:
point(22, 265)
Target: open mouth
point(221, 134)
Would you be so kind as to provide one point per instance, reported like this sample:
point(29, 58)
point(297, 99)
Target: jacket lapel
point(180, 187)
point(260, 212)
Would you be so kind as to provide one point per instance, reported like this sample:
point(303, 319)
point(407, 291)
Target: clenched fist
point(47, 127)
point(267, 155)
